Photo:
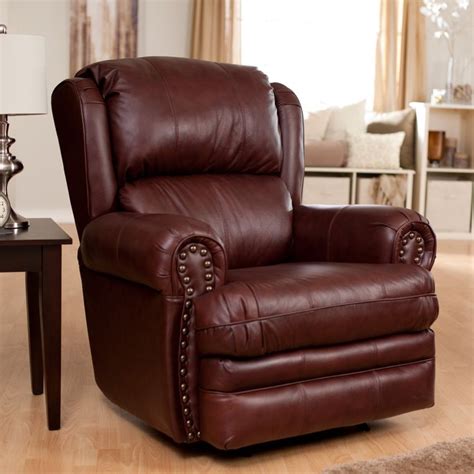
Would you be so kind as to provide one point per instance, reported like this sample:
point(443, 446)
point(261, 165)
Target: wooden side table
point(37, 252)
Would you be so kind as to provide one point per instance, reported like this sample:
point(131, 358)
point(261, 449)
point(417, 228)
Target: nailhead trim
point(190, 290)
point(411, 239)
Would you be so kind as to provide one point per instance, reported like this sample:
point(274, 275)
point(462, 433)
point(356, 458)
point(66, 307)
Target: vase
point(450, 81)
point(435, 147)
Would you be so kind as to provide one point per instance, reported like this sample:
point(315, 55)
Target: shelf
point(454, 235)
point(451, 170)
point(444, 106)
point(452, 106)
point(342, 170)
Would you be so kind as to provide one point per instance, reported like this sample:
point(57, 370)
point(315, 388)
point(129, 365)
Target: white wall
point(164, 27)
point(40, 190)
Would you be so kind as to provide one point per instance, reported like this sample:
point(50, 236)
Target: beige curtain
point(216, 30)
point(400, 75)
point(102, 29)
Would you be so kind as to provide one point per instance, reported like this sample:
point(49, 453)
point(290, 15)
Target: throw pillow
point(316, 124)
point(398, 121)
point(329, 153)
point(344, 120)
point(375, 151)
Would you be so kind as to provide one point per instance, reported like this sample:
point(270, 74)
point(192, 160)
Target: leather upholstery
point(134, 340)
point(273, 309)
point(113, 244)
point(172, 116)
point(218, 308)
point(290, 117)
point(282, 411)
point(235, 375)
point(362, 234)
point(81, 121)
point(254, 226)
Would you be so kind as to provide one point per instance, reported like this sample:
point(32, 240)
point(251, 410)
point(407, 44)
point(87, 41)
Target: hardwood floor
point(98, 437)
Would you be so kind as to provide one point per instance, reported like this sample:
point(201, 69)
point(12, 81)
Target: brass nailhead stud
point(184, 331)
point(402, 252)
point(189, 422)
point(182, 358)
point(186, 279)
point(419, 239)
point(207, 263)
point(185, 316)
point(182, 372)
point(208, 276)
point(404, 241)
point(193, 248)
point(208, 288)
point(188, 304)
point(411, 235)
point(183, 344)
point(417, 259)
point(186, 411)
point(203, 252)
point(182, 268)
point(420, 249)
point(185, 398)
point(190, 291)
point(190, 436)
point(183, 387)
point(182, 255)
point(198, 434)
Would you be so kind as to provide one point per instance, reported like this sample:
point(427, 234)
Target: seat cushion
point(269, 309)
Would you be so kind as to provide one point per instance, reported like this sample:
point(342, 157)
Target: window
point(322, 49)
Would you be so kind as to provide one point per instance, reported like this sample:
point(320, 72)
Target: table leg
point(32, 281)
point(51, 331)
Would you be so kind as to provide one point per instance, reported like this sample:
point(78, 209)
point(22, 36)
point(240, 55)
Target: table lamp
point(22, 92)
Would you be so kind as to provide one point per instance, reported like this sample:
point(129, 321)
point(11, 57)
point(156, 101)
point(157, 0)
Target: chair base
point(135, 356)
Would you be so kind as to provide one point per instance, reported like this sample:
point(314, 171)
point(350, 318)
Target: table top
point(40, 232)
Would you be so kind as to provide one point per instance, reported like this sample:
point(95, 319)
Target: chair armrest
point(170, 253)
point(362, 234)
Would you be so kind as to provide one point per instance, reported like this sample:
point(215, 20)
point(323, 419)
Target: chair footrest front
point(229, 420)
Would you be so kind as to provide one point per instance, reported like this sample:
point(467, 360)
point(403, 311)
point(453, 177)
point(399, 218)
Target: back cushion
point(251, 213)
point(171, 116)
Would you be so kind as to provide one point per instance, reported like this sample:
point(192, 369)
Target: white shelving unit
point(354, 173)
point(458, 122)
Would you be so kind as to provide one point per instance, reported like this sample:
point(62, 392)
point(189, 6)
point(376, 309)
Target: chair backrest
point(178, 136)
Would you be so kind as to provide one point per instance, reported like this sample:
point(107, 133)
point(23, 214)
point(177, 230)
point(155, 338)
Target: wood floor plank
point(98, 437)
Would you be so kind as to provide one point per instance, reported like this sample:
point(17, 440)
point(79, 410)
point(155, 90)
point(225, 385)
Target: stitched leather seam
point(328, 239)
point(282, 136)
point(327, 377)
point(224, 360)
point(377, 393)
point(244, 127)
point(386, 300)
point(170, 102)
point(84, 141)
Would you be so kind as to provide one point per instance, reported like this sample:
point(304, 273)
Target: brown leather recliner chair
point(218, 307)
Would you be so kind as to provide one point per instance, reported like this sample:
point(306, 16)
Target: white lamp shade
point(22, 75)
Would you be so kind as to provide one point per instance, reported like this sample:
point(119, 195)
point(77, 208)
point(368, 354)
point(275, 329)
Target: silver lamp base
point(9, 167)
point(15, 221)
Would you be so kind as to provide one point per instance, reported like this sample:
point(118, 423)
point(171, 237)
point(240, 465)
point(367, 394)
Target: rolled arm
point(173, 254)
point(363, 234)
